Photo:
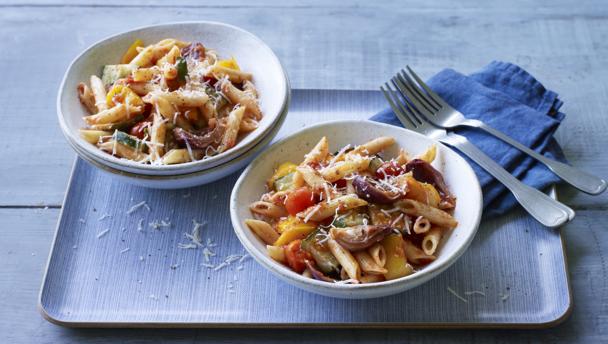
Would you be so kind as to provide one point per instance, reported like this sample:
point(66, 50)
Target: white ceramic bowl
point(252, 54)
point(190, 179)
point(458, 175)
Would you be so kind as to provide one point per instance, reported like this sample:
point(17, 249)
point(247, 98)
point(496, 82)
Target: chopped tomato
point(296, 257)
point(298, 200)
point(138, 129)
point(389, 168)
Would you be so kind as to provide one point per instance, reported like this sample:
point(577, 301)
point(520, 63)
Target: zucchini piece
point(111, 73)
point(325, 260)
point(350, 220)
point(126, 139)
point(284, 183)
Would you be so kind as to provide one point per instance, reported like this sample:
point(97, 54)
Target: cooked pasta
point(169, 97)
point(354, 216)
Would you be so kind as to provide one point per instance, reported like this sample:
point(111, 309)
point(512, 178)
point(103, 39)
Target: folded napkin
point(511, 100)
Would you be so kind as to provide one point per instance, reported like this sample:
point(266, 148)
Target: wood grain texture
point(328, 44)
point(351, 47)
point(21, 271)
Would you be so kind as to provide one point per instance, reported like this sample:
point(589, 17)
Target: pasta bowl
point(252, 54)
point(190, 179)
point(458, 175)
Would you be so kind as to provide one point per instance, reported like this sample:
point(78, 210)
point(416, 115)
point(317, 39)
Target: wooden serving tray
point(513, 275)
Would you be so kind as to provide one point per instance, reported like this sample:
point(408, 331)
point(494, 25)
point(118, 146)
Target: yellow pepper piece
point(283, 170)
point(396, 263)
point(131, 52)
point(230, 63)
point(295, 232)
point(120, 93)
point(287, 223)
point(422, 192)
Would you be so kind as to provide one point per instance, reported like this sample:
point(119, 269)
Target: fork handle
point(579, 179)
point(543, 208)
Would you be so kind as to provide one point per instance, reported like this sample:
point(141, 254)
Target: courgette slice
point(111, 73)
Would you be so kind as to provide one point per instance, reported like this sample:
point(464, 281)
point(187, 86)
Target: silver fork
point(543, 208)
point(442, 115)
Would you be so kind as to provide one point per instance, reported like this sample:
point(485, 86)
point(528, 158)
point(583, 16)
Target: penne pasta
point(346, 259)
point(374, 146)
point(242, 98)
point(431, 241)
point(368, 264)
point(267, 209)
point(341, 169)
point(99, 93)
point(115, 114)
point(310, 176)
point(421, 225)
point(181, 155)
point(371, 278)
point(263, 230)
point(145, 74)
point(415, 255)
point(378, 254)
point(93, 136)
point(171, 57)
point(318, 153)
point(232, 128)
point(434, 215)
point(235, 76)
point(87, 98)
point(326, 209)
point(179, 98)
point(157, 137)
point(276, 252)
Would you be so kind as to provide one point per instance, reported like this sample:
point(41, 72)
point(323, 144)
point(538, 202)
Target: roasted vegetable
point(298, 200)
point(210, 138)
point(359, 237)
point(426, 173)
point(182, 69)
point(324, 259)
point(131, 52)
point(111, 73)
point(296, 257)
point(294, 231)
point(194, 50)
point(316, 274)
point(350, 220)
point(282, 171)
point(372, 193)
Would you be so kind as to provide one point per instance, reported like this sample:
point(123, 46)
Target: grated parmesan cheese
point(453, 292)
point(102, 233)
point(138, 206)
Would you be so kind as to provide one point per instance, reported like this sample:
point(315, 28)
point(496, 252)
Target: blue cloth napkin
point(511, 100)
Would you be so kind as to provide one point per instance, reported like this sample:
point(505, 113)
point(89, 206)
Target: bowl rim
point(194, 166)
point(291, 276)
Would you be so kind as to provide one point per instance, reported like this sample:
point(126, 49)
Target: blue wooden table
point(323, 44)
